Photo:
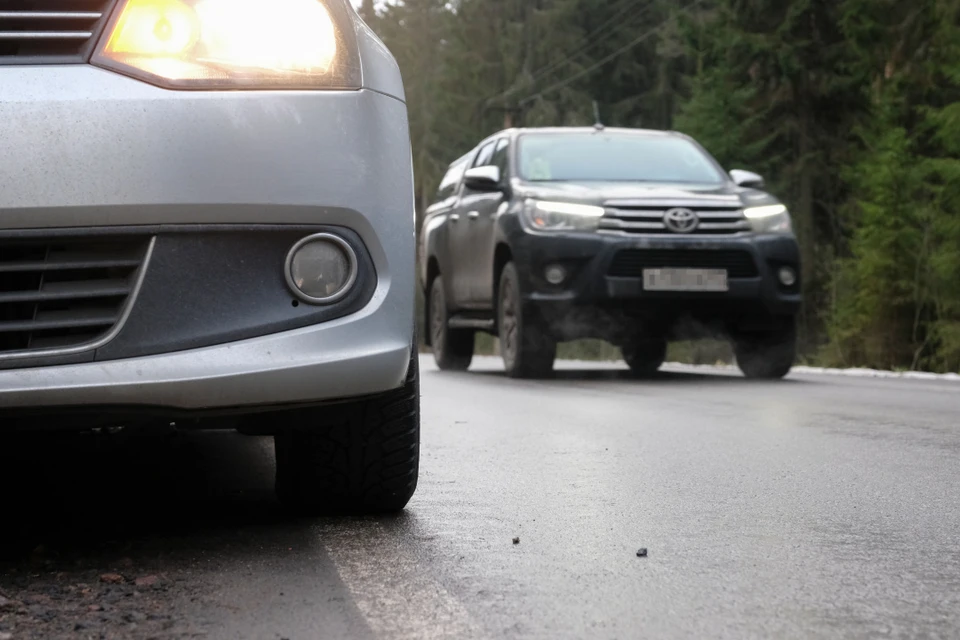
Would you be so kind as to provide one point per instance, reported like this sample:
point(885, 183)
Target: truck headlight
point(233, 44)
point(542, 215)
point(769, 219)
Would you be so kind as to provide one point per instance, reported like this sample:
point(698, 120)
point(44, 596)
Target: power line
point(591, 40)
point(603, 61)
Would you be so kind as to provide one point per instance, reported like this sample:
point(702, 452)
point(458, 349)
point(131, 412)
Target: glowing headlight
point(209, 44)
point(561, 216)
point(756, 213)
point(769, 219)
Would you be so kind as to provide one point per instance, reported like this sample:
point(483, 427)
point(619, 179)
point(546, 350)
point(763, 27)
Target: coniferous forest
point(849, 108)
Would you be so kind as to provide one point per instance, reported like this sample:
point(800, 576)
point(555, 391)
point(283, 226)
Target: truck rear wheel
point(767, 355)
point(645, 357)
point(528, 350)
point(452, 348)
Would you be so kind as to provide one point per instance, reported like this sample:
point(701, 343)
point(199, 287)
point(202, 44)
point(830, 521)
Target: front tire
point(452, 348)
point(645, 357)
point(767, 355)
point(528, 350)
point(356, 458)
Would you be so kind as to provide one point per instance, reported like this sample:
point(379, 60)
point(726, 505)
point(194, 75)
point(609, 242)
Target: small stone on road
point(147, 581)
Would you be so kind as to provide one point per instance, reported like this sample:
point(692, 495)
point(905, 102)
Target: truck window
point(450, 182)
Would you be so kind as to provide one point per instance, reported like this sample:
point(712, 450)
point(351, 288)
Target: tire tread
point(537, 350)
point(361, 457)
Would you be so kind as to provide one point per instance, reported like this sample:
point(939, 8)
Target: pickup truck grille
point(630, 263)
point(50, 31)
point(65, 293)
point(650, 220)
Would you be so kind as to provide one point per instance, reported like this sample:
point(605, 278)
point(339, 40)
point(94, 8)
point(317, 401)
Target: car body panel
point(86, 139)
point(441, 232)
point(478, 214)
point(364, 354)
point(86, 148)
point(380, 71)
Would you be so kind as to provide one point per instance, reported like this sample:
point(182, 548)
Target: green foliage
point(882, 278)
point(850, 108)
point(898, 294)
point(719, 117)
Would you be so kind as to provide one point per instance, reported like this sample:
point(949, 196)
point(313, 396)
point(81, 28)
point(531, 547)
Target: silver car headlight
point(233, 44)
point(544, 215)
point(772, 218)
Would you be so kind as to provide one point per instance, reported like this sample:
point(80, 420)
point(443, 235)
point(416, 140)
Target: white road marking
point(392, 589)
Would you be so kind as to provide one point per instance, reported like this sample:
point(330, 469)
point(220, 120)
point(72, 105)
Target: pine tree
point(368, 12)
point(898, 302)
point(850, 108)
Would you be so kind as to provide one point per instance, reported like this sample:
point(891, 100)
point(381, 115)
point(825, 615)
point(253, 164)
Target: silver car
point(206, 217)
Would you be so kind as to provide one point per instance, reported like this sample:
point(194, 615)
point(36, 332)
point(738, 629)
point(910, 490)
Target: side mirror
point(747, 179)
point(482, 178)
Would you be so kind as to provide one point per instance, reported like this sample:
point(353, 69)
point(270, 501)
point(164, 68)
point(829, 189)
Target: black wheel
point(452, 348)
point(645, 357)
point(767, 355)
point(528, 350)
point(356, 458)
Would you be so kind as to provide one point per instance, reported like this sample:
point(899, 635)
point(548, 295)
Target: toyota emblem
point(681, 220)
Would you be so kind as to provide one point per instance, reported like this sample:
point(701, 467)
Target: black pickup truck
point(635, 237)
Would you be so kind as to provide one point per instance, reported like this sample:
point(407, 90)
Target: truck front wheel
point(767, 355)
point(452, 348)
point(645, 357)
point(527, 348)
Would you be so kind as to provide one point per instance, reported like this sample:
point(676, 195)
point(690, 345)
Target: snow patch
point(877, 373)
point(825, 371)
point(729, 368)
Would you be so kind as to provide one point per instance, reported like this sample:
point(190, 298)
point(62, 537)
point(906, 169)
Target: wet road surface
point(819, 506)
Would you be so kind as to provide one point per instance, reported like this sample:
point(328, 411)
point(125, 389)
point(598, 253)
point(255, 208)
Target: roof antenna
point(596, 116)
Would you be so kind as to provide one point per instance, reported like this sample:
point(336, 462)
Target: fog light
point(788, 277)
point(555, 274)
point(321, 268)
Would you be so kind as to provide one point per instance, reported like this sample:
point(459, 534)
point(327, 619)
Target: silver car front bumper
point(82, 147)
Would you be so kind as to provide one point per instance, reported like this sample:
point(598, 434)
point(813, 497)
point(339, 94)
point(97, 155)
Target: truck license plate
point(685, 280)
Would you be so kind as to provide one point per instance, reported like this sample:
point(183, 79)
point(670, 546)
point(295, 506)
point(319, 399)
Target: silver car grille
point(65, 293)
point(50, 31)
point(650, 219)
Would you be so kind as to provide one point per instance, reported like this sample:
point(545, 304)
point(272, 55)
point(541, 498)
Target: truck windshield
point(628, 157)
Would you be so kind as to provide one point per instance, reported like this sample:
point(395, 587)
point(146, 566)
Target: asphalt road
point(819, 506)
